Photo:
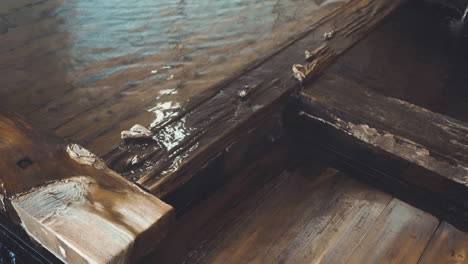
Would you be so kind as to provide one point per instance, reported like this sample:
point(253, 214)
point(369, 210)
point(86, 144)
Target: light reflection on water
point(89, 69)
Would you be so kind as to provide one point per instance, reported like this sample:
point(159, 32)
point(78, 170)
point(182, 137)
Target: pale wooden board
point(400, 235)
point(297, 218)
point(71, 203)
point(448, 246)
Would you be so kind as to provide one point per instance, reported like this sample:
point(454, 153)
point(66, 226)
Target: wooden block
point(71, 203)
point(400, 235)
point(448, 246)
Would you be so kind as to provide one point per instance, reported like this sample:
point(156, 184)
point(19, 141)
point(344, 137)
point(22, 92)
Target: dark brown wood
point(65, 197)
point(433, 141)
point(223, 114)
point(352, 113)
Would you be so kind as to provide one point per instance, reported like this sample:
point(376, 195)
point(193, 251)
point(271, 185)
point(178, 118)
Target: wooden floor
point(312, 214)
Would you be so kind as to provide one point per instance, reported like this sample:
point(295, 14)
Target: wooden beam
point(407, 149)
point(71, 203)
point(430, 140)
point(228, 111)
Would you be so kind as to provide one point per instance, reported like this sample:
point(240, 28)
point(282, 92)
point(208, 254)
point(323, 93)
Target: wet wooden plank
point(448, 246)
point(400, 235)
point(65, 197)
point(217, 118)
point(95, 87)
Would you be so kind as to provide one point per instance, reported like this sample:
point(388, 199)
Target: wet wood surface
point(65, 197)
point(267, 83)
point(87, 70)
point(448, 246)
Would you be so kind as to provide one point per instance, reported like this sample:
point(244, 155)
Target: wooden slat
point(331, 235)
point(221, 114)
point(70, 202)
point(448, 246)
point(313, 214)
point(400, 235)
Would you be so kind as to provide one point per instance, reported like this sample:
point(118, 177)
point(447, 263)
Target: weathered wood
point(317, 214)
point(222, 114)
point(400, 235)
point(94, 87)
point(412, 152)
point(70, 202)
point(448, 246)
point(433, 141)
point(333, 232)
point(200, 227)
point(416, 152)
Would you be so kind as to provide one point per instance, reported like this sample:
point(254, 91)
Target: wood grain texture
point(163, 168)
point(400, 235)
point(448, 246)
point(71, 203)
point(313, 213)
point(197, 231)
point(357, 109)
point(431, 140)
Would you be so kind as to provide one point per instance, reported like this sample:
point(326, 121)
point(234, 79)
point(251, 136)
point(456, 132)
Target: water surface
point(86, 69)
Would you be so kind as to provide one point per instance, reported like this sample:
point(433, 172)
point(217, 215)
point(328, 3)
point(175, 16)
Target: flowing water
point(86, 69)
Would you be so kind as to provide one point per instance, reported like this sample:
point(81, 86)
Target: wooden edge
point(390, 141)
point(71, 203)
point(231, 109)
point(407, 180)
